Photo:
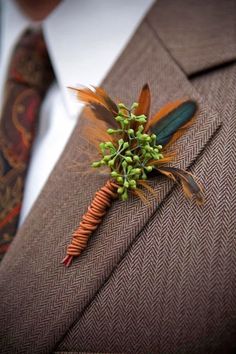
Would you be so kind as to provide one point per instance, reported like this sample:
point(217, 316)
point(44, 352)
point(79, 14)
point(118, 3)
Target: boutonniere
point(134, 147)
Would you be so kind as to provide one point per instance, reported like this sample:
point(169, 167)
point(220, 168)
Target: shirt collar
point(84, 38)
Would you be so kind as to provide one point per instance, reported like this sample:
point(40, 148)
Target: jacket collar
point(46, 297)
point(199, 35)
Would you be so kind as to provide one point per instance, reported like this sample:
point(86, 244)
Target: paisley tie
point(29, 76)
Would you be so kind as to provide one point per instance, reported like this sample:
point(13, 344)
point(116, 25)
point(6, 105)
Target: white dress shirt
point(84, 39)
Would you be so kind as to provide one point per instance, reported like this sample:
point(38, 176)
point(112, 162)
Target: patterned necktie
point(30, 75)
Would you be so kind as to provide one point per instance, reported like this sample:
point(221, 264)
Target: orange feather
point(144, 102)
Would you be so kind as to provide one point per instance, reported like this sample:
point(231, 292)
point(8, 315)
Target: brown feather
point(140, 194)
point(96, 133)
point(100, 103)
point(105, 115)
point(110, 104)
point(187, 180)
point(99, 96)
point(168, 157)
point(147, 186)
point(144, 102)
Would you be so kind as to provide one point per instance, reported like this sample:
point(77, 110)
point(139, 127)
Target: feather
point(100, 103)
point(190, 186)
point(141, 195)
point(99, 96)
point(173, 121)
point(87, 96)
point(147, 186)
point(168, 157)
point(110, 104)
point(163, 112)
point(103, 114)
point(95, 134)
point(144, 102)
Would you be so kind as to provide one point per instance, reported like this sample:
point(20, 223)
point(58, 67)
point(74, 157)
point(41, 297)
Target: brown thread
point(91, 220)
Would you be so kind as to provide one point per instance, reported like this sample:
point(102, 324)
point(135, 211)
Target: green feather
point(173, 121)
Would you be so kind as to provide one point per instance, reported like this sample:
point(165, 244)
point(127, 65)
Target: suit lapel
point(196, 33)
point(45, 297)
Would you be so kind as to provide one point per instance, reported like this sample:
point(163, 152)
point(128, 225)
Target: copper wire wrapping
point(91, 220)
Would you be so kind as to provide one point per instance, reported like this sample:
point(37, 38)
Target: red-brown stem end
point(67, 260)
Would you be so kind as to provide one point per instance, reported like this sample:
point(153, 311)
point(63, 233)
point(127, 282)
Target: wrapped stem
point(91, 220)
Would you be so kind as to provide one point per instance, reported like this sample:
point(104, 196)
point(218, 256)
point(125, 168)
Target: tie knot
point(30, 63)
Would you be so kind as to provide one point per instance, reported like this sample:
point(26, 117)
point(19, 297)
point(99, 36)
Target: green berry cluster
point(130, 158)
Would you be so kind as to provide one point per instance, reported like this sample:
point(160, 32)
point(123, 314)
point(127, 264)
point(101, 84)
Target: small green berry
point(126, 184)
point(106, 157)
point(119, 179)
point(128, 159)
point(148, 156)
point(144, 176)
point(128, 153)
point(124, 196)
point(111, 162)
point(96, 164)
point(134, 105)
point(120, 190)
point(149, 168)
point(114, 174)
point(132, 183)
point(124, 164)
point(121, 105)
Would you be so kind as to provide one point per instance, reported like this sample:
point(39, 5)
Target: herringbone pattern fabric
point(174, 292)
point(195, 31)
point(49, 291)
point(155, 278)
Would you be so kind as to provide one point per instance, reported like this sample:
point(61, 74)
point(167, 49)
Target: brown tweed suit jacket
point(155, 278)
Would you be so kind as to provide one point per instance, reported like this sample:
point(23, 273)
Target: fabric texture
point(174, 291)
point(157, 277)
point(29, 76)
